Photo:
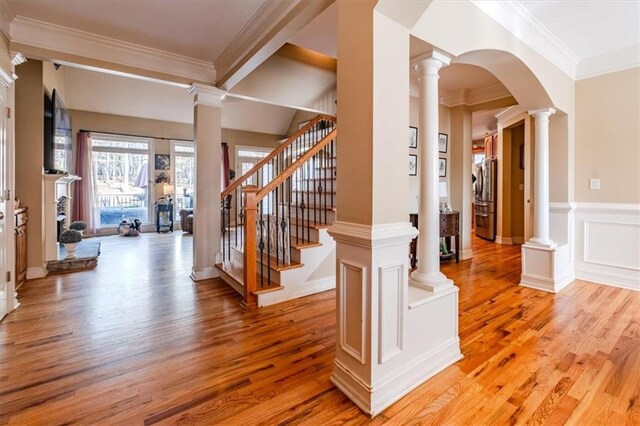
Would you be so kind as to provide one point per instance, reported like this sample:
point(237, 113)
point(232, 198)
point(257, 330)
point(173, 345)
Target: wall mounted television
point(57, 134)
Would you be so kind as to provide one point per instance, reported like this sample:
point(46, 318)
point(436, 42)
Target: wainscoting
point(607, 244)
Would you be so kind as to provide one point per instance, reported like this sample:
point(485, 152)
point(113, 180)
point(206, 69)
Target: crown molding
point(473, 97)
point(617, 60)
point(269, 29)
point(43, 35)
point(509, 114)
point(518, 21)
point(206, 95)
point(6, 16)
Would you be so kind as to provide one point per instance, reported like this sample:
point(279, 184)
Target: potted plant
point(70, 239)
point(79, 226)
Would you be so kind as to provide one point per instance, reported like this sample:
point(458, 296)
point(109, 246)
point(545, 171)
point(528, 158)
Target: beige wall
point(517, 179)
point(607, 137)
point(559, 166)
point(299, 117)
point(53, 78)
point(29, 153)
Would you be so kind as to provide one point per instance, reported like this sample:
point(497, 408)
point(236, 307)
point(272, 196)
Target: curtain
point(83, 205)
point(225, 165)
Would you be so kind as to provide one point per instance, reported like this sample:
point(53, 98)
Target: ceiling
point(194, 28)
point(101, 92)
point(484, 122)
point(588, 28)
point(321, 33)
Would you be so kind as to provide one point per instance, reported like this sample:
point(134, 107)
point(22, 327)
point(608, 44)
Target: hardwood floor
point(136, 342)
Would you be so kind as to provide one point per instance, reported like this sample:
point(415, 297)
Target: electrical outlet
point(594, 183)
point(521, 187)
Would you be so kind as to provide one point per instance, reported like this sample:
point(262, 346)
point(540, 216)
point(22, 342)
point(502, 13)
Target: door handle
point(528, 201)
point(1, 215)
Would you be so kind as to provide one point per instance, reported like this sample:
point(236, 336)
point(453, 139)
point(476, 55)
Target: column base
point(430, 282)
point(204, 274)
point(546, 268)
point(374, 399)
point(385, 346)
point(541, 243)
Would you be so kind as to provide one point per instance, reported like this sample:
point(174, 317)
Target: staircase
point(275, 245)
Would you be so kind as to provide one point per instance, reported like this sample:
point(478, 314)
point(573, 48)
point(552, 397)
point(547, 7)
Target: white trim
point(609, 208)
point(374, 399)
point(6, 78)
point(204, 274)
point(6, 16)
point(206, 95)
point(509, 114)
point(586, 256)
point(44, 35)
point(607, 278)
point(606, 63)
point(518, 21)
point(400, 284)
point(359, 355)
point(373, 236)
point(37, 272)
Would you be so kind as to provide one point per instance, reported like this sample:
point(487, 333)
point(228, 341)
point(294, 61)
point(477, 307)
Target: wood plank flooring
point(134, 341)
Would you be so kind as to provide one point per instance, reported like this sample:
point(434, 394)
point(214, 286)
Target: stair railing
point(234, 209)
point(295, 201)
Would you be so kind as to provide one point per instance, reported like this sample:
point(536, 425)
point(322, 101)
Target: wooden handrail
point(282, 176)
point(275, 152)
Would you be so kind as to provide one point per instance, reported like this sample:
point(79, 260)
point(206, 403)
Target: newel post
point(250, 271)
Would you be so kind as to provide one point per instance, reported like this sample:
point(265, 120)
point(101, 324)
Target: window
point(60, 153)
point(120, 178)
point(183, 162)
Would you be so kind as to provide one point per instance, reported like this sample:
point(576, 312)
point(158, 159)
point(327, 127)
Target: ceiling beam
point(269, 29)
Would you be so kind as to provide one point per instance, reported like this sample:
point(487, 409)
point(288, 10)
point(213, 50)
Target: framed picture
point(413, 165)
point(163, 162)
point(443, 139)
point(413, 137)
point(442, 167)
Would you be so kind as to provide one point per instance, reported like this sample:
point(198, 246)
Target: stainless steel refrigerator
point(486, 196)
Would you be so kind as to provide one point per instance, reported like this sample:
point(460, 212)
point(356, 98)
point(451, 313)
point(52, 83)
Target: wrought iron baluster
point(260, 244)
point(277, 222)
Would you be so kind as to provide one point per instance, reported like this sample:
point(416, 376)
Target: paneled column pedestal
point(391, 336)
point(546, 268)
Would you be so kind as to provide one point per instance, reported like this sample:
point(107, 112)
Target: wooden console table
point(449, 227)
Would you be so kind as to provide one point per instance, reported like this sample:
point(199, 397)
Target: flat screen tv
point(57, 134)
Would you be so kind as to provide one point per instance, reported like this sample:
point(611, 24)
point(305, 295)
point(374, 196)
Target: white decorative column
point(428, 275)
point(207, 137)
point(545, 265)
point(390, 336)
point(541, 180)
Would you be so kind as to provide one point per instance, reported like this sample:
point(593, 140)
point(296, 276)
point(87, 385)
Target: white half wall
point(608, 244)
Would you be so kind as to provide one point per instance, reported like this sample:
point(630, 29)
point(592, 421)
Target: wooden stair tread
point(274, 266)
point(311, 225)
point(237, 273)
point(300, 245)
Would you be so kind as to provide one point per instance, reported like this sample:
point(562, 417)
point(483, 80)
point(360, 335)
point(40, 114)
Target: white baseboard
point(204, 274)
point(546, 284)
point(504, 240)
point(607, 278)
point(37, 272)
point(466, 254)
point(306, 289)
point(373, 400)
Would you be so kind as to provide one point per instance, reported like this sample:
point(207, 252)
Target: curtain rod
point(135, 136)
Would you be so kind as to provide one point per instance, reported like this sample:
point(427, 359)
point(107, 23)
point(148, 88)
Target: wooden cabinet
point(21, 218)
point(449, 227)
